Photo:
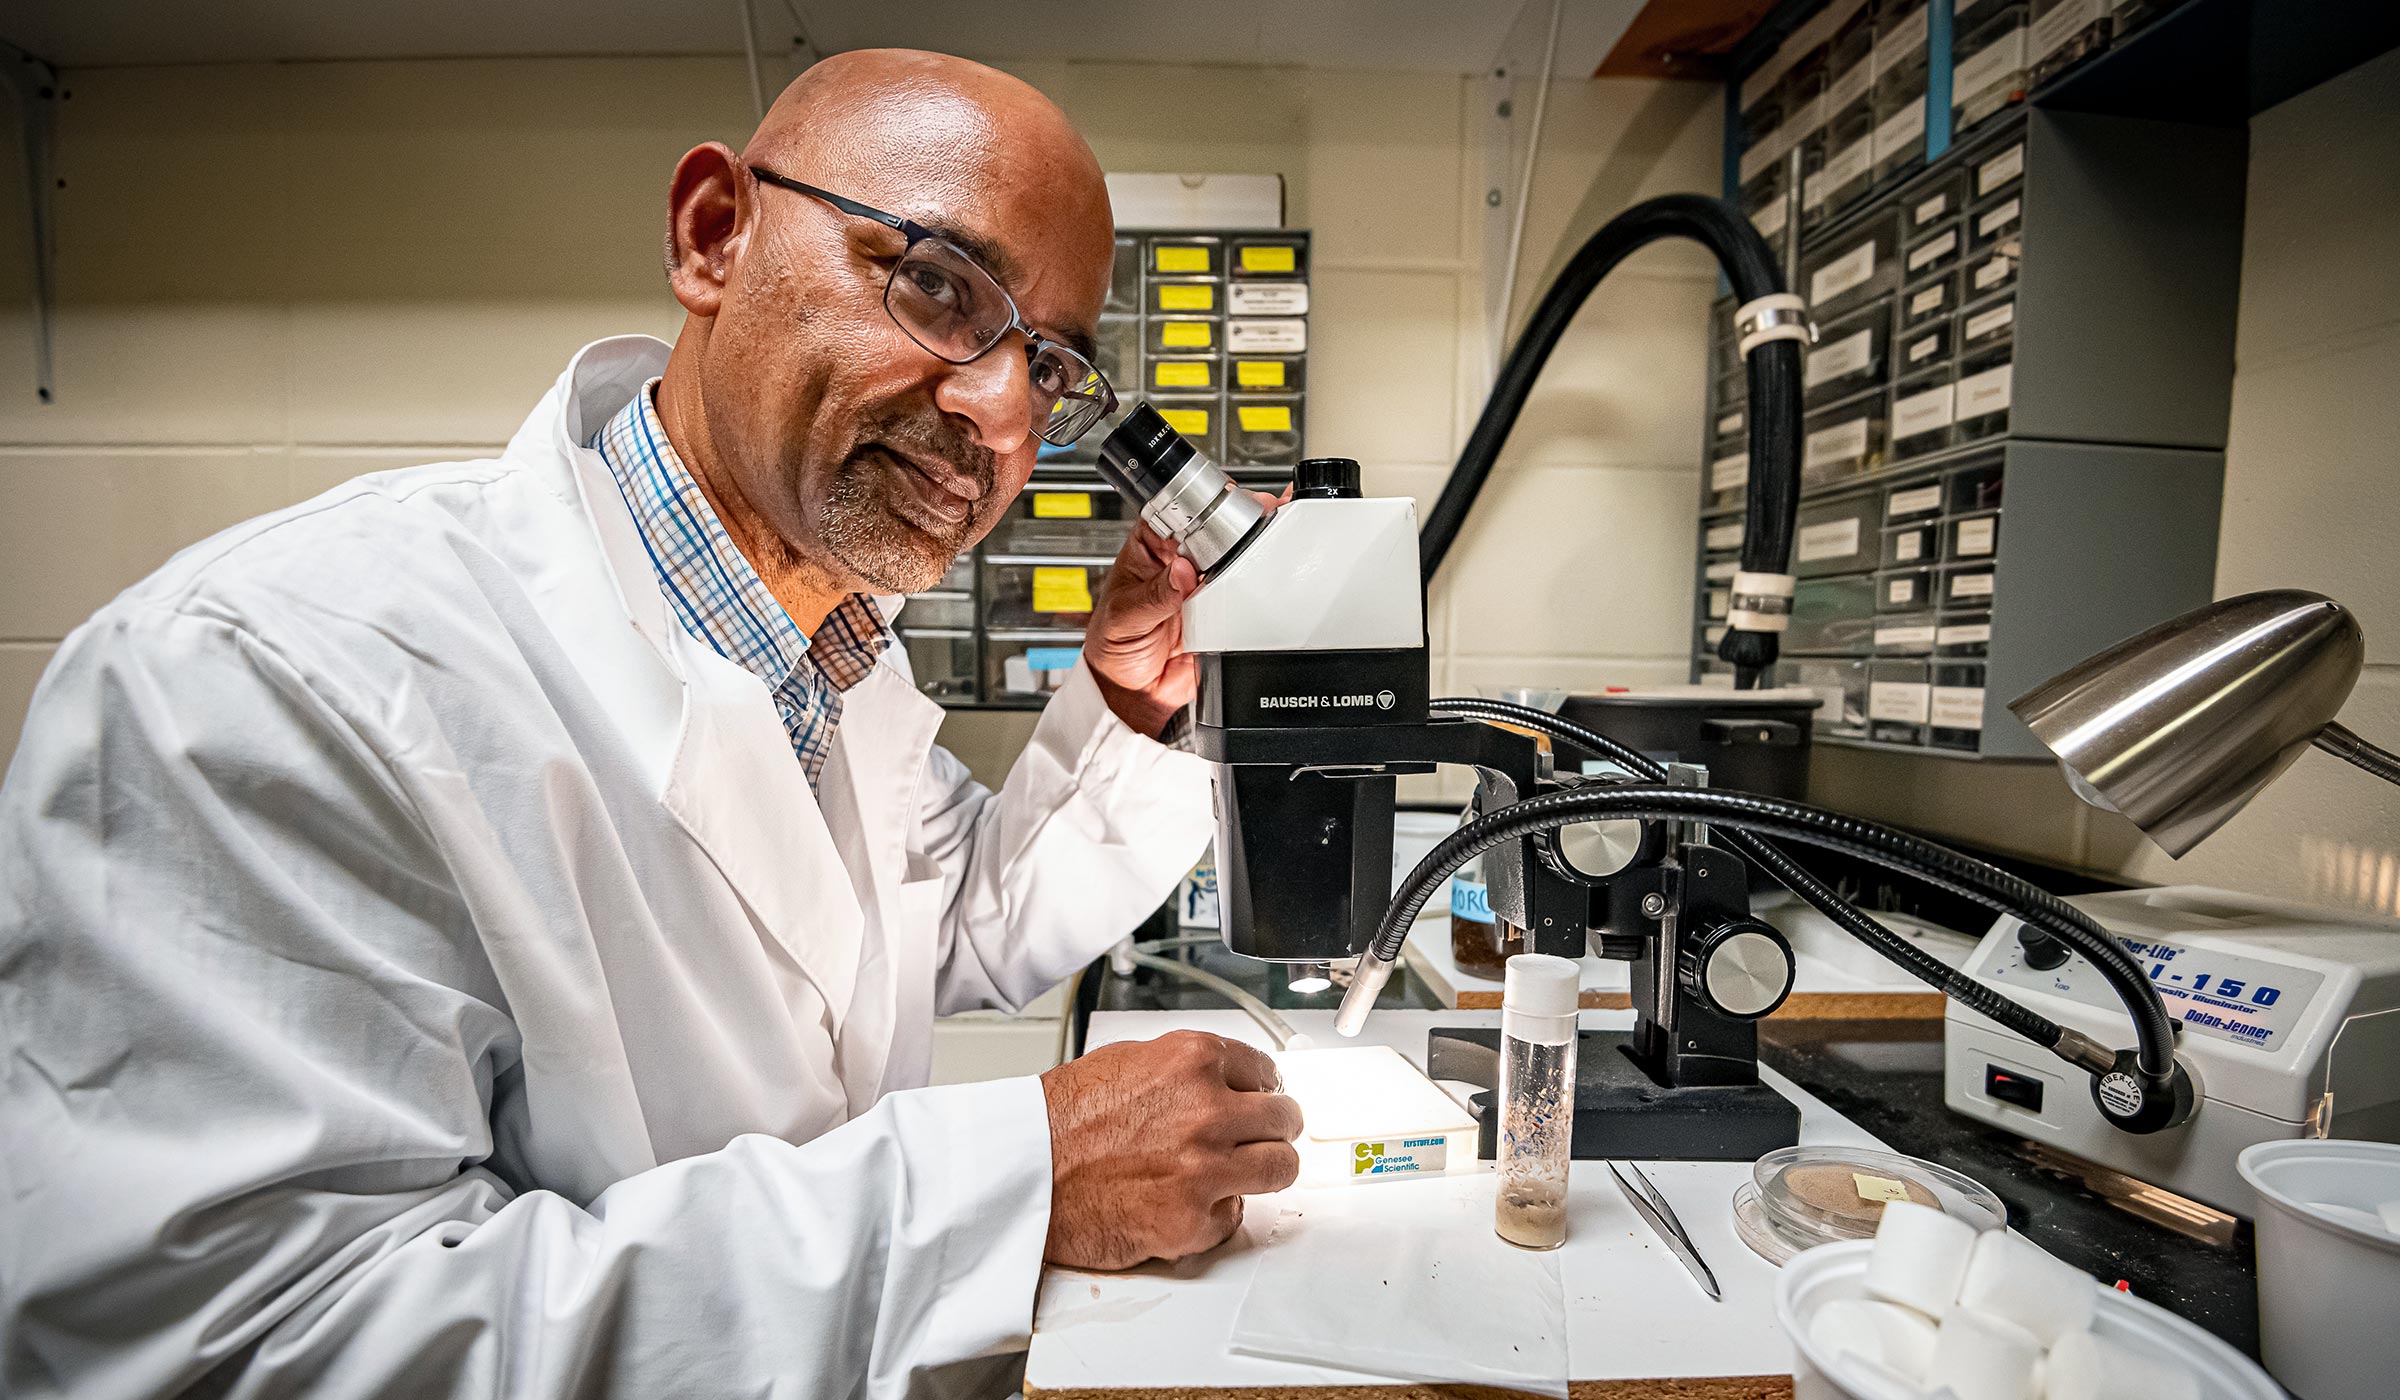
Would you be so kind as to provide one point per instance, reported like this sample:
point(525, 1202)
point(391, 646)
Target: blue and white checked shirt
point(722, 601)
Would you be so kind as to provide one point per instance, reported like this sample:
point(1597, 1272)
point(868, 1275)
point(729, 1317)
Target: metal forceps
point(1653, 1207)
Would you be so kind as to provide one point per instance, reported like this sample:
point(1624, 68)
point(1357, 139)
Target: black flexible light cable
point(1774, 404)
point(1767, 855)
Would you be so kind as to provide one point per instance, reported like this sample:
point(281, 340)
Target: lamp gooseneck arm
point(2344, 743)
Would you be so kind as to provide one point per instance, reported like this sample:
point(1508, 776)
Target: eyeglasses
point(948, 303)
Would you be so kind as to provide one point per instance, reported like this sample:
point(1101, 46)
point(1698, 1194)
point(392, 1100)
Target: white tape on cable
point(1761, 602)
point(1779, 316)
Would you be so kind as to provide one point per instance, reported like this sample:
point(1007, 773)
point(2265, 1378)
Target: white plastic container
point(1833, 1271)
point(2328, 1288)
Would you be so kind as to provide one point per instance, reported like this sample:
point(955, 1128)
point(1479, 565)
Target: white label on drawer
point(1993, 273)
point(1900, 590)
point(1901, 702)
point(1729, 473)
point(1922, 413)
point(1843, 273)
point(1905, 44)
point(1924, 349)
point(1979, 394)
point(1909, 546)
point(1266, 337)
point(1930, 209)
point(1851, 163)
point(1963, 634)
point(1975, 585)
point(1930, 299)
point(1850, 86)
point(1730, 424)
point(1267, 299)
point(2054, 29)
point(1915, 634)
point(1843, 442)
point(1899, 131)
point(1812, 191)
point(1834, 539)
point(1720, 602)
point(1722, 572)
point(1975, 536)
point(1983, 323)
point(1722, 536)
point(1845, 356)
point(1933, 250)
point(2000, 169)
point(1958, 707)
point(1770, 220)
point(1914, 501)
point(1998, 217)
point(2001, 61)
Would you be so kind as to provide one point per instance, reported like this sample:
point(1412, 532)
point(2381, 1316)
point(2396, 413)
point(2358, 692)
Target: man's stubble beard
point(860, 528)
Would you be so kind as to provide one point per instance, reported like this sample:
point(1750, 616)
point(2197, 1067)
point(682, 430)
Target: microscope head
point(1309, 632)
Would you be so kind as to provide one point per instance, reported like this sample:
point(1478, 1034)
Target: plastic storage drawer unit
point(1838, 537)
point(1073, 518)
point(1026, 666)
point(1032, 592)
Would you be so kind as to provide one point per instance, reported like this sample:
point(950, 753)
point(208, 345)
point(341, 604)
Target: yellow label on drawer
point(1258, 374)
point(1187, 296)
point(1062, 505)
point(1191, 422)
point(1265, 418)
point(1271, 257)
point(1061, 589)
point(1185, 335)
point(1179, 374)
point(1180, 259)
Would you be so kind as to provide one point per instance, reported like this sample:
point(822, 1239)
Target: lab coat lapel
point(737, 789)
point(869, 790)
point(704, 730)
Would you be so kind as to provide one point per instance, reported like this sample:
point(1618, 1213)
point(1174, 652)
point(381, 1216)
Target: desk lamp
point(2177, 728)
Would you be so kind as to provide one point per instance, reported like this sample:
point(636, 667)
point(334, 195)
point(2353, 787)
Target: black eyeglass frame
point(917, 233)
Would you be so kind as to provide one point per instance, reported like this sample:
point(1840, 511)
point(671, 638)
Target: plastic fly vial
point(1537, 1100)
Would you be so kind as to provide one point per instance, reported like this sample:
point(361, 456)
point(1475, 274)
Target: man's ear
point(709, 209)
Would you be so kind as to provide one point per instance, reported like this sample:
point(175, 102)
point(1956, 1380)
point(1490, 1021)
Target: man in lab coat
point(478, 932)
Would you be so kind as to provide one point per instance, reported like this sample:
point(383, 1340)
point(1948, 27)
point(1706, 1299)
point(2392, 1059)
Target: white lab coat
point(425, 970)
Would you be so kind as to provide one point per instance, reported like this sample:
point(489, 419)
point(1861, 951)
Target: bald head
point(860, 454)
point(929, 122)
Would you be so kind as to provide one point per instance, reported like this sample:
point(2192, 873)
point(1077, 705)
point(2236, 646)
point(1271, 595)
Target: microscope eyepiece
point(1179, 492)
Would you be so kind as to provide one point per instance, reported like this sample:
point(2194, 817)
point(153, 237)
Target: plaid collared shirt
point(721, 600)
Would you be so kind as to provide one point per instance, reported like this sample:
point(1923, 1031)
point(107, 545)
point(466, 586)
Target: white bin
point(1818, 1276)
point(2328, 1288)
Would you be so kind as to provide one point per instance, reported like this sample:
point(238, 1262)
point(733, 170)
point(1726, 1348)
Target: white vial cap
point(1538, 984)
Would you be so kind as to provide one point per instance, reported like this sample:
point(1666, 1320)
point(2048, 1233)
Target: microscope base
point(1620, 1111)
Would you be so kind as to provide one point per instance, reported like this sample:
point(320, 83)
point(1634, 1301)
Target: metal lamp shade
point(2178, 727)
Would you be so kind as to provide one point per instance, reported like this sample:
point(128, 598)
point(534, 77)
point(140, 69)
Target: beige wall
point(2312, 500)
point(274, 277)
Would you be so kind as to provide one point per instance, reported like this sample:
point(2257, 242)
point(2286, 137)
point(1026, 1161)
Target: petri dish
point(1800, 1197)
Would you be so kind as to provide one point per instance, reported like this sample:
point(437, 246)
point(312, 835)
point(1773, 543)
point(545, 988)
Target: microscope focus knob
point(1589, 853)
point(1741, 968)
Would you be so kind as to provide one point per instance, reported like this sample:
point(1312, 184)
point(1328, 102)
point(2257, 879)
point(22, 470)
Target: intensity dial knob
point(1741, 968)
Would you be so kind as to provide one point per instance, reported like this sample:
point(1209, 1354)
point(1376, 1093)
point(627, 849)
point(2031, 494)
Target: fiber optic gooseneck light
point(1772, 325)
point(1314, 698)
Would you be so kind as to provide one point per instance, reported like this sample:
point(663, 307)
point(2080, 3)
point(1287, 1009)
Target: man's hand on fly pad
point(1134, 641)
point(1154, 1143)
